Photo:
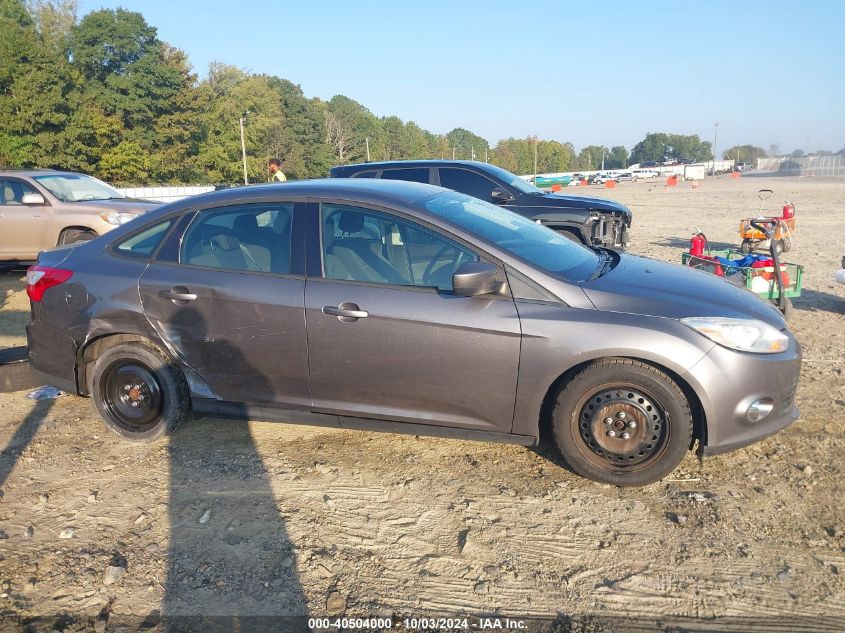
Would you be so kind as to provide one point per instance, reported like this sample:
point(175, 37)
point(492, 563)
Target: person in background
point(275, 168)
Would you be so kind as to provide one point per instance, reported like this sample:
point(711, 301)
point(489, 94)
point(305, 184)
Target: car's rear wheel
point(138, 391)
point(71, 236)
point(622, 422)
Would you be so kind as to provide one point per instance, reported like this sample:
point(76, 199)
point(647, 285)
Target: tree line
point(104, 95)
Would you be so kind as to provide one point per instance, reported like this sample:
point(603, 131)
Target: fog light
point(759, 409)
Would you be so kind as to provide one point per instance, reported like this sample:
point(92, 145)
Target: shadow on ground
point(231, 565)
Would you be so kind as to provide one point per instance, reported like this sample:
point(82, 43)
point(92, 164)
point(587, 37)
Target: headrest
point(282, 221)
point(351, 222)
point(245, 224)
point(225, 242)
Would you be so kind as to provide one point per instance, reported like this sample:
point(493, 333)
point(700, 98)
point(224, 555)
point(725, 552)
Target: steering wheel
point(430, 267)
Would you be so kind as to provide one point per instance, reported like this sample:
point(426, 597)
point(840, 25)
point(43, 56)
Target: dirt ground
point(236, 520)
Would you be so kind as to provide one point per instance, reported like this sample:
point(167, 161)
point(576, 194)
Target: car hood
point(121, 205)
point(556, 200)
point(639, 285)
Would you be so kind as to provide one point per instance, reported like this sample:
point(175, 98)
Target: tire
point(787, 244)
point(788, 309)
point(777, 246)
point(745, 247)
point(640, 401)
point(72, 236)
point(138, 392)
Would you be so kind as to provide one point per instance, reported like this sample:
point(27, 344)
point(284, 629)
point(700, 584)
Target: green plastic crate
point(795, 273)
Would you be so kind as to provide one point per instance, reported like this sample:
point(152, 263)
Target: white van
point(644, 174)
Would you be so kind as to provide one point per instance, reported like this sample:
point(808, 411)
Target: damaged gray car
point(404, 307)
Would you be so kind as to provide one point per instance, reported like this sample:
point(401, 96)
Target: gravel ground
point(239, 520)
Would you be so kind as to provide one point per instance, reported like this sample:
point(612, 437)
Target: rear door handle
point(179, 294)
point(346, 312)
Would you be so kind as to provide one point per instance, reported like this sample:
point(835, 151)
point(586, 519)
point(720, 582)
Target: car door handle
point(178, 293)
point(346, 311)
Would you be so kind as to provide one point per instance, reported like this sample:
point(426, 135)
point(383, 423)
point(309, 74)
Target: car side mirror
point(477, 278)
point(32, 198)
point(500, 195)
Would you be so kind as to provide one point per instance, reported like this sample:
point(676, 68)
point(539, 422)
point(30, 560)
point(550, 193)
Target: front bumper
point(728, 382)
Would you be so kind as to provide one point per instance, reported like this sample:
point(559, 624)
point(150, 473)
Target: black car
point(591, 221)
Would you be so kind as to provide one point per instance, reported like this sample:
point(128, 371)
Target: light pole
point(715, 133)
point(243, 146)
point(535, 158)
point(367, 141)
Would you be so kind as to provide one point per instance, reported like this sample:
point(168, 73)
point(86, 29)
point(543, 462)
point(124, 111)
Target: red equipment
point(788, 211)
point(696, 244)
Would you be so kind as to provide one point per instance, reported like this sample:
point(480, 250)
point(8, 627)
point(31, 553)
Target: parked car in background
point(203, 305)
point(591, 221)
point(42, 208)
point(645, 174)
point(626, 176)
point(840, 274)
point(600, 179)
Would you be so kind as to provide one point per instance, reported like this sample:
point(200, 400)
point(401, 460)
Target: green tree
point(744, 153)
point(661, 146)
point(465, 143)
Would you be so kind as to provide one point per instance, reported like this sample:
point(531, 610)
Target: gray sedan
point(396, 306)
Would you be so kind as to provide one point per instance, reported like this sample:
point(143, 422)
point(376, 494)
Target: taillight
point(39, 278)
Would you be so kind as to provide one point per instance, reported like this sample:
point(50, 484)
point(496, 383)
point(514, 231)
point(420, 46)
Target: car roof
point(409, 163)
point(385, 192)
point(20, 171)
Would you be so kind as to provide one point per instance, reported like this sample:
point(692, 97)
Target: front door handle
point(178, 295)
point(347, 312)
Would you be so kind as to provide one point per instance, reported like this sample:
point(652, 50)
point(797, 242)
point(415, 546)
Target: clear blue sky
point(770, 71)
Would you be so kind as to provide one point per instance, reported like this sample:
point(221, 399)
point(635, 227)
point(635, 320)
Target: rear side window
point(142, 245)
point(251, 237)
point(468, 182)
point(415, 174)
point(365, 174)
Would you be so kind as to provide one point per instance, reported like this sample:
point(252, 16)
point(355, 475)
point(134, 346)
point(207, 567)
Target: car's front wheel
point(622, 422)
point(138, 391)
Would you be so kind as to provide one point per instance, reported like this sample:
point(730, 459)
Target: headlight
point(745, 335)
point(117, 218)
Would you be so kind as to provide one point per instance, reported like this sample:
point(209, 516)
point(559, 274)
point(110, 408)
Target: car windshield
point(533, 243)
point(514, 181)
point(76, 187)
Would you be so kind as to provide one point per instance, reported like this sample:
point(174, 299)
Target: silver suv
point(42, 208)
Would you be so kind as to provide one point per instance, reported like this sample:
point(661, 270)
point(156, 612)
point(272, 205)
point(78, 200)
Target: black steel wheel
point(138, 391)
point(622, 422)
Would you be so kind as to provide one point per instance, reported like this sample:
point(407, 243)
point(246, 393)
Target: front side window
point(414, 174)
point(369, 246)
point(533, 243)
point(468, 182)
point(12, 192)
point(142, 245)
point(250, 237)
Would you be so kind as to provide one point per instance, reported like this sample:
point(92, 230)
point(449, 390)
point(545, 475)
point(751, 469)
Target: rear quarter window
point(141, 245)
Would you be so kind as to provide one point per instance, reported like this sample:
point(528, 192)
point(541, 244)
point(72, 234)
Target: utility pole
point(243, 146)
point(485, 156)
point(453, 153)
point(535, 158)
point(472, 152)
point(602, 158)
point(367, 141)
point(715, 136)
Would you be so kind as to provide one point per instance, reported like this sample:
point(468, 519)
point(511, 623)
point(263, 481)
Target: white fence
point(164, 194)
point(804, 166)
